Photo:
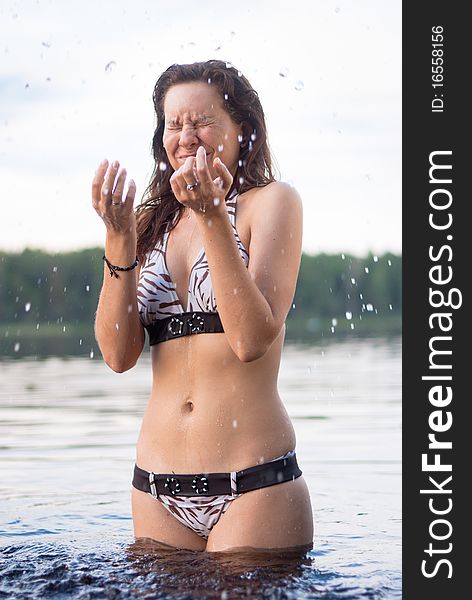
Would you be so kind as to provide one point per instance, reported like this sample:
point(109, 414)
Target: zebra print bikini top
point(159, 307)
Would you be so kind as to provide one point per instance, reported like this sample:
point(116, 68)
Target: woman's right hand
point(107, 198)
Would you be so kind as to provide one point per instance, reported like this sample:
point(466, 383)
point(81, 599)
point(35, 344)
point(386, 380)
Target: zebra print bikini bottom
point(201, 513)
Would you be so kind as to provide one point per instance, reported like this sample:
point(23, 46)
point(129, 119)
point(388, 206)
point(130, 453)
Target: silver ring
point(191, 186)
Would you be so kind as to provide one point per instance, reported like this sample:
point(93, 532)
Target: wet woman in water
point(207, 264)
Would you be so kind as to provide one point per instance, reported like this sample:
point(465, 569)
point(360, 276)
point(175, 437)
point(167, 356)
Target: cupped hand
point(208, 195)
point(107, 198)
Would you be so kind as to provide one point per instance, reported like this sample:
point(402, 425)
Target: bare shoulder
point(278, 198)
point(276, 202)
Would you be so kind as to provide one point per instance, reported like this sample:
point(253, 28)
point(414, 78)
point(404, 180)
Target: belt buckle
point(175, 326)
point(204, 484)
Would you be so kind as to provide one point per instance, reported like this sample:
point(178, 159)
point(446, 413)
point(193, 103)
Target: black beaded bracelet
point(114, 268)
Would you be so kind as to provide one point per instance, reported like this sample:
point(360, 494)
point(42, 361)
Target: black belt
point(187, 323)
point(213, 484)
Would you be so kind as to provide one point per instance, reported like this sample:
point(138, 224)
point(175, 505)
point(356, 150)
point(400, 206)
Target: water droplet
point(342, 256)
point(228, 65)
point(117, 326)
point(390, 307)
point(361, 296)
point(224, 595)
point(226, 96)
point(110, 66)
point(162, 166)
point(220, 147)
point(334, 322)
point(235, 423)
point(130, 308)
point(348, 316)
point(299, 86)
point(87, 288)
point(369, 307)
point(366, 269)
point(389, 263)
point(275, 288)
point(54, 269)
point(352, 325)
point(332, 329)
point(353, 280)
point(216, 201)
point(253, 136)
point(240, 162)
point(240, 139)
point(16, 347)
point(37, 325)
point(375, 258)
point(80, 342)
point(241, 180)
point(27, 306)
point(64, 329)
point(293, 305)
point(91, 353)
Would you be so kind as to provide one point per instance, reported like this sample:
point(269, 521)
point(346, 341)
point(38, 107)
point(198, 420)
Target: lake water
point(68, 429)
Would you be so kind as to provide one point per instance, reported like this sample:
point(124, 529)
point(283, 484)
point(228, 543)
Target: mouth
point(184, 158)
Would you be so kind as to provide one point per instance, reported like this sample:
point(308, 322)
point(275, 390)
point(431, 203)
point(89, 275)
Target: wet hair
point(159, 208)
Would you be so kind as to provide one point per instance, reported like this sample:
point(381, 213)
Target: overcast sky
point(76, 82)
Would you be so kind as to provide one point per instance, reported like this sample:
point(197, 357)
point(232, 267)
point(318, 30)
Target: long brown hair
point(159, 208)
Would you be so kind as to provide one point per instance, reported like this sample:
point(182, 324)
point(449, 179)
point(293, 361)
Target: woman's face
point(194, 117)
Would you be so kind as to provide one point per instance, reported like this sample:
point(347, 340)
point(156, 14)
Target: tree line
point(49, 288)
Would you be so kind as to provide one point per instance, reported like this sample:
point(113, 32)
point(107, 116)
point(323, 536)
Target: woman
point(215, 463)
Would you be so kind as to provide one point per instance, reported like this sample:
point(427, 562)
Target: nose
point(188, 136)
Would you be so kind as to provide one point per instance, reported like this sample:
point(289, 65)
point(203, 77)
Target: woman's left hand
point(208, 195)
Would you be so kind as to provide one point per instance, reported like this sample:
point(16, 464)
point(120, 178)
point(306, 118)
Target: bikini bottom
point(201, 512)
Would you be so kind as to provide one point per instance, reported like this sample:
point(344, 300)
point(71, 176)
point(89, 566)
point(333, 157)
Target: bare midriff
point(210, 412)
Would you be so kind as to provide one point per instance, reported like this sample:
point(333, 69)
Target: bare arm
point(253, 302)
point(118, 329)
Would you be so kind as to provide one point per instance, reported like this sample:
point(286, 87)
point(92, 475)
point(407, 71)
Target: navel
point(188, 407)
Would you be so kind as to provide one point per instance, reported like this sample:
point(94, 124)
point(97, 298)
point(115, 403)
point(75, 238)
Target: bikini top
point(160, 310)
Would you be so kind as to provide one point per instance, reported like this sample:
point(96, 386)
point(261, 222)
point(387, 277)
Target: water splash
point(348, 315)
